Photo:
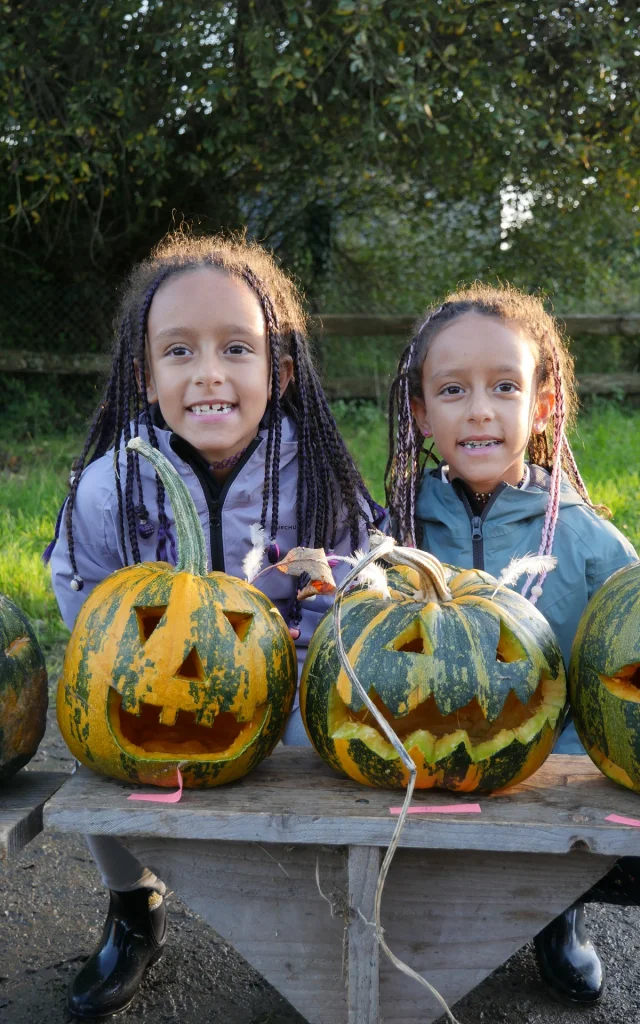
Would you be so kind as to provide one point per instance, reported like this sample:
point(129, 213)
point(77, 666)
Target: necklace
point(227, 463)
point(482, 498)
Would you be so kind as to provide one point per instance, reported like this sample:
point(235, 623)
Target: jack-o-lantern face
point(604, 678)
point(172, 666)
point(474, 687)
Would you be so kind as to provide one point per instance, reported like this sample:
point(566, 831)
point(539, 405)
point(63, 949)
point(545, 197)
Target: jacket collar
point(438, 502)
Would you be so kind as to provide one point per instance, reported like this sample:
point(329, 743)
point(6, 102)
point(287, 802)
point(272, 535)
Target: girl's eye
point(507, 387)
point(178, 350)
point(452, 389)
point(237, 348)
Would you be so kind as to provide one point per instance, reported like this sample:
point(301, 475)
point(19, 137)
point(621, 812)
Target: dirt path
point(52, 905)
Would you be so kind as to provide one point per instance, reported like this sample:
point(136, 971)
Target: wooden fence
point(356, 326)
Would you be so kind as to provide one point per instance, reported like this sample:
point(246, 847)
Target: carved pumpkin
point(471, 681)
point(23, 690)
point(604, 678)
point(171, 667)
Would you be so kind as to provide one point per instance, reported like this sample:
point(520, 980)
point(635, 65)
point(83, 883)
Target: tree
point(286, 115)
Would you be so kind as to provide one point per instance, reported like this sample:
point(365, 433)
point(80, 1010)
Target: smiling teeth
point(478, 444)
point(219, 407)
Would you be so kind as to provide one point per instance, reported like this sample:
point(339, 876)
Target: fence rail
point(356, 326)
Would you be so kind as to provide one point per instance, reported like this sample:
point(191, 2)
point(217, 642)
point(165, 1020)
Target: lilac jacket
point(98, 547)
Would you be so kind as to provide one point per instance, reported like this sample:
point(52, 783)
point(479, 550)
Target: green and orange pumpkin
point(604, 677)
point(23, 690)
point(470, 679)
point(173, 667)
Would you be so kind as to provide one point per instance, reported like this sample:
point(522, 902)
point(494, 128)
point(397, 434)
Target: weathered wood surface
point(454, 916)
point(363, 949)
point(265, 902)
point(21, 801)
point(293, 797)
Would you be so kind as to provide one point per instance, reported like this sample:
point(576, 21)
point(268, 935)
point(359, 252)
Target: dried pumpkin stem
point(432, 576)
point(192, 550)
point(433, 583)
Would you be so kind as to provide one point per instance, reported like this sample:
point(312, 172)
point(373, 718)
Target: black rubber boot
point(133, 937)
point(568, 962)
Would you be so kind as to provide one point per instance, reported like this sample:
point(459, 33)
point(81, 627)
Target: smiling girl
point(212, 365)
point(489, 380)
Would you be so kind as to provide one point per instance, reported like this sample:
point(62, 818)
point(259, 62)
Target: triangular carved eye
point(191, 667)
point(509, 647)
point(241, 622)
point(412, 640)
point(148, 619)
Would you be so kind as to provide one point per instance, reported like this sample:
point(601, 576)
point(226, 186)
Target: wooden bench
point(284, 864)
point(21, 801)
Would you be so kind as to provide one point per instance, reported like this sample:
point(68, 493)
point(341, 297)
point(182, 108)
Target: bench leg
point(452, 915)
point(363, 950)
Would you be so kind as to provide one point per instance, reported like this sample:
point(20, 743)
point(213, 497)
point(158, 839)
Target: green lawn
point(606, 444)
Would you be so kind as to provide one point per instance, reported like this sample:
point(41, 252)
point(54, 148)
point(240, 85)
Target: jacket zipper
point(477, 523)
point(215, 502)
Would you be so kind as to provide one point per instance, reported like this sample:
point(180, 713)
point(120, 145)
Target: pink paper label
point(441, 809)
point(619, 819)
point(161, 798)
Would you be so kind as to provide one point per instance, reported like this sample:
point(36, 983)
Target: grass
point(606, 444)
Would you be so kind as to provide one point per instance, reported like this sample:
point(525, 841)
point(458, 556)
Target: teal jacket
point(588, 548)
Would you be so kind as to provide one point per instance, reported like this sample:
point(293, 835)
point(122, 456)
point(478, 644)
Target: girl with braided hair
point(488, 379)
point(211, 365)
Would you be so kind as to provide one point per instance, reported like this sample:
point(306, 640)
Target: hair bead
point(77, 582)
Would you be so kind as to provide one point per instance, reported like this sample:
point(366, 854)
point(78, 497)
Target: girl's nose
point(209, 372)
point(480, 408)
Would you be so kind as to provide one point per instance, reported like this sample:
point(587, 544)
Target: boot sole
point(566, 1000)
point(75, 1017)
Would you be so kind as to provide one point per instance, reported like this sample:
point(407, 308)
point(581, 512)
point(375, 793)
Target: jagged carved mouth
point(437, 735)
point(625, 684)
point(170, 732)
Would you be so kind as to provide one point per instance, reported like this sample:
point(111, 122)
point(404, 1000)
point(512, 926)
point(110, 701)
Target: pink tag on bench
point(161, 798)
point(619, 819)
point(442, 809)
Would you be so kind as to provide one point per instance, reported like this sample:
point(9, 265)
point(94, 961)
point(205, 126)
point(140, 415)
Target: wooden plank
point(266, 903)
point(21, 801)
point(360, 325)
point(363, 951)
point(293, 797)
point(456, 916)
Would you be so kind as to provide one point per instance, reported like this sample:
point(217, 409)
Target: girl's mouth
point(212, 408)
point(483, 445)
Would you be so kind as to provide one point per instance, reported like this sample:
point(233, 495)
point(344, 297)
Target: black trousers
point(620, 887)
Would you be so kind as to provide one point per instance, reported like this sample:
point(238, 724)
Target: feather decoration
point(529, 565)
point(373, 576)
point(252, 561)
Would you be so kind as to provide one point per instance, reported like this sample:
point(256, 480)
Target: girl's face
point(480, 400)
point(208, 364)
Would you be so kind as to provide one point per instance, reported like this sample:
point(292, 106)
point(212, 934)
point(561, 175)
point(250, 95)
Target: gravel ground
point(52, 906)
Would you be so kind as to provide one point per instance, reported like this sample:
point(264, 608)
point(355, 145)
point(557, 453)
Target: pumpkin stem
point(433, 582)
point(192, 550)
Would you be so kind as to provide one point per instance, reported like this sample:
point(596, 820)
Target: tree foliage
point(285, 114)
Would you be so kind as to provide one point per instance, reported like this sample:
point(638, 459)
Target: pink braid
point(573, 466)
point(553, 505)
point(406, 456)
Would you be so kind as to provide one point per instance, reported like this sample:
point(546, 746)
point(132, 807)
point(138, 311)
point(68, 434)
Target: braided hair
point(550, 449)
point(329, 486)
